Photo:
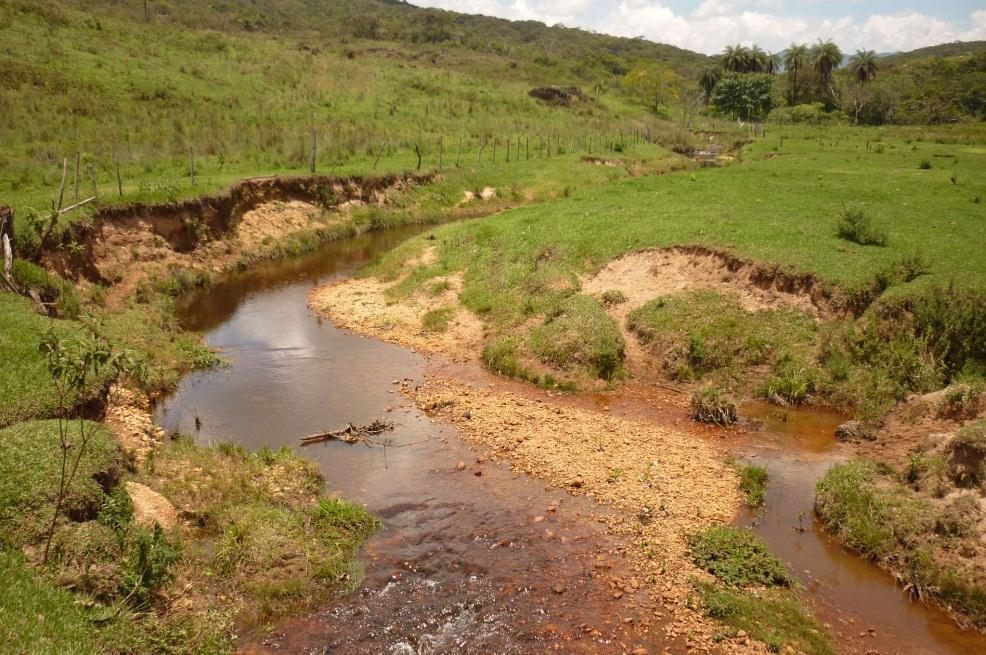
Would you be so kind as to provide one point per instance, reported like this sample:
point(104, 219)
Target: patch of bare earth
point(645, 275)
point(663, 483)
point(125, 255)
point(362, 305)
point(128, 414)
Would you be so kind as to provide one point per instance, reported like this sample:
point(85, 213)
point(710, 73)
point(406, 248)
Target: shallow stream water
point(472, 563)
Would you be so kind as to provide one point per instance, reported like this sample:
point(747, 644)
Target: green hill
point(954, 49)
point(236, 89)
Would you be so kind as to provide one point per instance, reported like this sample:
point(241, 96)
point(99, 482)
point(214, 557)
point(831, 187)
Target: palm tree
point(757, 60)
point(708, 80)
point(825, 57)
point(864, 65)
point(772, 63)
point(794, 63)
point(735, 58)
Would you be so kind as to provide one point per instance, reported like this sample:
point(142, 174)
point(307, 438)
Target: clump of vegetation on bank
point(713, 404)
point(753, 484)
point(705, 332)
point(254, 530)
point(752, 591)
point(913, 522)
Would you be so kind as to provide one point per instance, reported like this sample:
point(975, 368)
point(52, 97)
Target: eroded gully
point(472, 563)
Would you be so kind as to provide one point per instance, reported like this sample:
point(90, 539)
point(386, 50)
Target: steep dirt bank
point(152, 231)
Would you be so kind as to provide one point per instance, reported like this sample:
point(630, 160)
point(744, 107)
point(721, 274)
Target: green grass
point(752, 591)
point(522, 268)
point(244, 103)
point(38, 618)
point(881, 519)
point(753, 483)
point(737, 557)
point(704, 332)
point(437, 320)
point(29, 473)
point(773, 617)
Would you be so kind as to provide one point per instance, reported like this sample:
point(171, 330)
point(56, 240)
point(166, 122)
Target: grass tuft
point(857, 226)
point(738, 558)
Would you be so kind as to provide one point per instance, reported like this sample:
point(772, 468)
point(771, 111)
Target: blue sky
point(708, 25)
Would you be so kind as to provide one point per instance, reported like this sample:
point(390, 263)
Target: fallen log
point(351, 433)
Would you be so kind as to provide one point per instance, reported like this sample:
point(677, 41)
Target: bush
point(753, 483)
point(581, 335)
point(856, 226)
point(960, 401)
point(808, 114)
point(711, 404)
point(613, 297)
point(738, 558)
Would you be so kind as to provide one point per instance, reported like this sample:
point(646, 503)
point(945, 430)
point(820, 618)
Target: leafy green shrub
point(147, 567)
point(500, 356)
point(711, 404)
point(580, 336)
point(857, 226)
point(960, 401)
point(925, 165)
point(738, 558)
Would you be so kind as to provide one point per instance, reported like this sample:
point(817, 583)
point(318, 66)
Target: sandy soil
point(362, 305)
point(128, 414)
point(665, 483)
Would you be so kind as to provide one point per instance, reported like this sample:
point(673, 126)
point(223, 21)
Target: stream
point(472, 563)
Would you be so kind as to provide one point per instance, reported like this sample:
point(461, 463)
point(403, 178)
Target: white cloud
point(716, 23)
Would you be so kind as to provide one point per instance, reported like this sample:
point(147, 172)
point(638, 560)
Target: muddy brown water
point(867, 610)
point(462, 565)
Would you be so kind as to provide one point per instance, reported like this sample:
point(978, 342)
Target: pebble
point(558, 589)
point(461, 466)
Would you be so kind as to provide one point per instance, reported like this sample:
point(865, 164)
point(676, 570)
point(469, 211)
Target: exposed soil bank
point(183, 226)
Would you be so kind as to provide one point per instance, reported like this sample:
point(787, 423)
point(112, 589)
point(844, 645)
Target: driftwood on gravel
point(352, 433)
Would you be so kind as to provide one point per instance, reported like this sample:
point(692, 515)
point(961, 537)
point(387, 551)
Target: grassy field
point(157, 99)
point(781, 205)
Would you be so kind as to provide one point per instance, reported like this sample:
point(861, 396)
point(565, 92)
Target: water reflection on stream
point(461, 566)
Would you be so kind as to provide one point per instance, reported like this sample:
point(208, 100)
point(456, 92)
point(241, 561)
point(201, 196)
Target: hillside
point(955, 49)
point(232, 93)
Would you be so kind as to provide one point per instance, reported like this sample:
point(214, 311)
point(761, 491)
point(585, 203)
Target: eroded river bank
point(487, 559)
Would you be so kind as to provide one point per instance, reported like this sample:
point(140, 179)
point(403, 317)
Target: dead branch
point(352, 433)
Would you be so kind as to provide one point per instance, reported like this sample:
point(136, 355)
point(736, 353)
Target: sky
point(709, 25)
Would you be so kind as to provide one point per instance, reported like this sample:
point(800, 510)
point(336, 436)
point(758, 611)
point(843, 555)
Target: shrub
point(753, 483)
point(856, 226)
point(960, 401)
point(613, 297)
point(711, 404)
point(967, 455)
point(925, 165)
point(737, 557)
point(580, 336)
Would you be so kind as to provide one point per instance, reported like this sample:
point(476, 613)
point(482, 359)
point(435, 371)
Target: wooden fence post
point(458, 151)
point(441, 152)
point(119, 179)
point(191, 165)
point(417, 151)
point(92, 175)
point(78, 164)
point(314, 147)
